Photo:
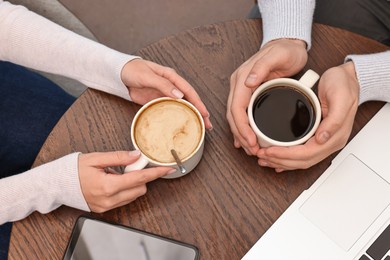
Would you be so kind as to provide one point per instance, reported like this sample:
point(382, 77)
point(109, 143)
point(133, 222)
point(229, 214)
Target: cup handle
point(309, 78)
point(137, 165)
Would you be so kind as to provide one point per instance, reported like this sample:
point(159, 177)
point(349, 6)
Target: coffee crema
point(168, 125)
point(283, 113)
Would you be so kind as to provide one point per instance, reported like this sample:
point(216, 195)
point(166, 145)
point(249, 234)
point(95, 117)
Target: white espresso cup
point(164, 124)
point(285, 111)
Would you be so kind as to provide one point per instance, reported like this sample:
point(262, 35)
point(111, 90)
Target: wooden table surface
point(228, 201)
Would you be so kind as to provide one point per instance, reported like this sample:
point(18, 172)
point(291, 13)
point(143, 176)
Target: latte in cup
point(165, 125)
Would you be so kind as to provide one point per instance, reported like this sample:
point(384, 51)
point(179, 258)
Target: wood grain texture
point(228, 201)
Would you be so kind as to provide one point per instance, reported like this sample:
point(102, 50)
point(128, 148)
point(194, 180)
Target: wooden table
point(228, 201)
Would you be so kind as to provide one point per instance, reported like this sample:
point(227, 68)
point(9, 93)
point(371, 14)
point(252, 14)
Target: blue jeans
point(30, 106)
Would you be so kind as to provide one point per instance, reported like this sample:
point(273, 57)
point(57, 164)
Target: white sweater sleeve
point(287, 19)
point(32, 41)
point(373, 73)
point(42, 189)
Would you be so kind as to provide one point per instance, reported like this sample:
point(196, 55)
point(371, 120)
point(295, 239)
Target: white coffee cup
point(303, 86)
point(168, 124)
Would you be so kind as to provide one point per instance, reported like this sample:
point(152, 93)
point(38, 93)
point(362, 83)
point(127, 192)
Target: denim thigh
point(30, 106)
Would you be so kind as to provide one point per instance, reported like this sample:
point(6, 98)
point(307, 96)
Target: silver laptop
point(345, 214)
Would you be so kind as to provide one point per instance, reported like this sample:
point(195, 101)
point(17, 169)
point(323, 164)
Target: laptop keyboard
point(379, 250)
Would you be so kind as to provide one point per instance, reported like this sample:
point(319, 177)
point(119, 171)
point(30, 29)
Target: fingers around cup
point(137, 165)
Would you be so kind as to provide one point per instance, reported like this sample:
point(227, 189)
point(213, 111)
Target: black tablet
point(97, 239)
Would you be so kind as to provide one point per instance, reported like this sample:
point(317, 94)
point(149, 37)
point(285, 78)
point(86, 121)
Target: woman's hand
point(339, 98)
point(105, 189)
point(278, 58)
point(147, 80)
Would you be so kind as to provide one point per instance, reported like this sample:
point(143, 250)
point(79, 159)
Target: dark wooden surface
point(228, 201)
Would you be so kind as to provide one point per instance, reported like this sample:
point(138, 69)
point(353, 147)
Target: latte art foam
point(168, 125)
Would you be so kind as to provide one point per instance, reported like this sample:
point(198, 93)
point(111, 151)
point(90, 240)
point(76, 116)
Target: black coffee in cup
point(284, 113)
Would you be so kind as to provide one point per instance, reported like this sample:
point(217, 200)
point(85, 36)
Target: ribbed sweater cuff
point(42, 189)
point(373, 73)
point(287, 19)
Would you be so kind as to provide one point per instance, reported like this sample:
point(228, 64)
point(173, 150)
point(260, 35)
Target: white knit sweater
point(33, 41)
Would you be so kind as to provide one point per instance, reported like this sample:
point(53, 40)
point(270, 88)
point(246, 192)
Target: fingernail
point(177, 93)
point(251, 78)
point(263, 163)
point(324, 137)
point(211, 126)
point(135, 153)
point(172, 171)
